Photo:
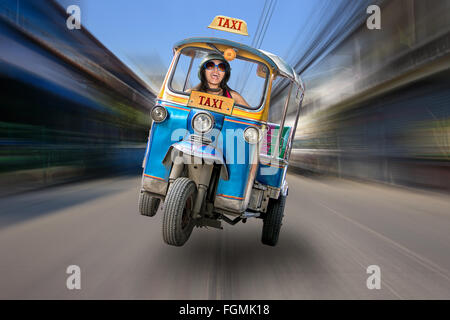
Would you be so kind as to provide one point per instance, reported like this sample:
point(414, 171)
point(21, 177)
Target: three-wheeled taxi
point(220, 157)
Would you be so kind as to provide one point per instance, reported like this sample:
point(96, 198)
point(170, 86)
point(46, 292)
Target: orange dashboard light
point(229, 54)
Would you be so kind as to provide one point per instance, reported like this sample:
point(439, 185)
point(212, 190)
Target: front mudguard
point(202, 153)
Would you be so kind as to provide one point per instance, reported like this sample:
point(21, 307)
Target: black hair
point(203, 86)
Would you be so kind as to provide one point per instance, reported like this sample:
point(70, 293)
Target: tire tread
point(148, 205)
point(174, 204)
point(273, 221)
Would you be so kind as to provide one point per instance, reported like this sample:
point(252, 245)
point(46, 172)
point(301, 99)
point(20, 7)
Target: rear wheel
point(273, 220)
point(148, 205)
point(179, 203)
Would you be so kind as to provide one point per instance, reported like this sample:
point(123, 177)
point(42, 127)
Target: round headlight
point(202, 122)
point(251, 135)
point(159, 114)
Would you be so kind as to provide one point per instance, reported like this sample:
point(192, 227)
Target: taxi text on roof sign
point(211, 102)
point(230, 25)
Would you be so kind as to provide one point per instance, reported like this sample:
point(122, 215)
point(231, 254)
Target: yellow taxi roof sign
point(230, 25)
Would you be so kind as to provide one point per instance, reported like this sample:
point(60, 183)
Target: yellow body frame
point(260, 115)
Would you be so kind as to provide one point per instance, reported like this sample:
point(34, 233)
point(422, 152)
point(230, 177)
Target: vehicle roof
point(275, 61)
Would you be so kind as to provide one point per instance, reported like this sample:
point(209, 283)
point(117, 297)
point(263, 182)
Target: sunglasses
point(211, 65)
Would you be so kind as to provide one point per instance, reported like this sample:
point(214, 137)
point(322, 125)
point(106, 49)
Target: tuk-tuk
point(211, 160)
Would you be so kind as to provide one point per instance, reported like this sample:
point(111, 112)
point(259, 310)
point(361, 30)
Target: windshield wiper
point(214, 47)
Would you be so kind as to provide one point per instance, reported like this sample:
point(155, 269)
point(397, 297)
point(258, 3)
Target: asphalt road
point(333, 230)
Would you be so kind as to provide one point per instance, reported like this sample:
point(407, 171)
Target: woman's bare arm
point(197, 87)
point(239, 99)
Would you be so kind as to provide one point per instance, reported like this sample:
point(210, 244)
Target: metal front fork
point(177, 170)
point(200, 174)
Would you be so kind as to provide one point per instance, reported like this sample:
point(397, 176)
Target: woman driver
point(214, 73)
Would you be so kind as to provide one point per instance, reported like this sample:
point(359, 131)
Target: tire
point(178, 222)
point(272, 221)
point(148, 205)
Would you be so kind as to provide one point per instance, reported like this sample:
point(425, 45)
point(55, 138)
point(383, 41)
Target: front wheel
point(179, 203)
point(272, 221)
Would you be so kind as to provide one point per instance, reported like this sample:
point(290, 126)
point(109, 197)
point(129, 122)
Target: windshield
point(248, 77)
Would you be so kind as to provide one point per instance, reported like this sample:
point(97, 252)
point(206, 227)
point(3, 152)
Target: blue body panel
point(270, 175)
point(238, 163)
point(161, 139)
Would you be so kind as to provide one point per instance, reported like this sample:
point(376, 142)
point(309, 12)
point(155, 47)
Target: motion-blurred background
point(376, 105)
point(75, 103)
